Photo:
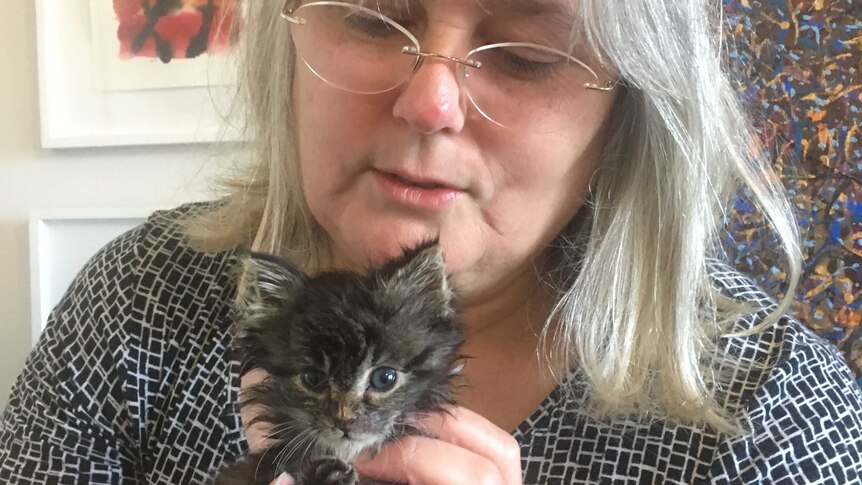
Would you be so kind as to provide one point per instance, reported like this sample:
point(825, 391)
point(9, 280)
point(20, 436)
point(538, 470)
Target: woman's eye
point(370, 25)
point(314, 379)
point(383, 379)
point(526, 66)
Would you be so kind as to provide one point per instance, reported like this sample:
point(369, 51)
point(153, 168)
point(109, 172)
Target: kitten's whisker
point(311, 442)
point(271, 435)
point(419, 426)
point(400, 448)
point(281, 427)
point(257, 468)
point(286, 425)
point(275, 431)
point(283, 454)
point(295, 444)
point(278, 457)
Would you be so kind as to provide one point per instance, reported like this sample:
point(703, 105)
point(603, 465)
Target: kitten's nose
point(345, 425)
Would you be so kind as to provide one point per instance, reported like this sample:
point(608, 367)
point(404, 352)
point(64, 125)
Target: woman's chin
point(392, 247)
point(374, 249)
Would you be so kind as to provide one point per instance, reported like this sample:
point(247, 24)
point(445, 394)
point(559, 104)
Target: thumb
point(283, 479)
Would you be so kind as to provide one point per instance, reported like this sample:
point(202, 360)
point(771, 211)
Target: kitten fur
point(328, 342)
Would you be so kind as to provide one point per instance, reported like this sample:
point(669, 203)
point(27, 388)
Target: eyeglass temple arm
point(608, 87)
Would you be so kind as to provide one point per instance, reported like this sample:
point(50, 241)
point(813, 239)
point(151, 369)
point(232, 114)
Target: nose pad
point(433, 98)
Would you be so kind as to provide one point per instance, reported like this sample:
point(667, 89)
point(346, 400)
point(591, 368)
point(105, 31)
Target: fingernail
point(284, 479)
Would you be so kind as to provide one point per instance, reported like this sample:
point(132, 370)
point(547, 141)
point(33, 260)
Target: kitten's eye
point(314, 379)
point(383, 379)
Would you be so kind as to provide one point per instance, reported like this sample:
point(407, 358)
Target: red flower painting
point(174, 29)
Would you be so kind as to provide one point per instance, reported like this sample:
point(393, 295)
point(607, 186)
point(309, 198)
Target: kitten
point(349, 356)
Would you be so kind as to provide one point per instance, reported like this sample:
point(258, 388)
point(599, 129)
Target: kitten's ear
point(267, 281)
point(419, 275)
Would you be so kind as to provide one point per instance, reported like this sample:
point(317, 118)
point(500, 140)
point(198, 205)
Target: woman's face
point(387, 171)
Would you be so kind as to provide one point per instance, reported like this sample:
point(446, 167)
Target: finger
point(471, 431)
point(418, 460)
point(283, 479)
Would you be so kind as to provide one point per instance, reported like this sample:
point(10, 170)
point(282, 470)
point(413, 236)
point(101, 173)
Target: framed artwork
point(133, 72)
point(61, 242)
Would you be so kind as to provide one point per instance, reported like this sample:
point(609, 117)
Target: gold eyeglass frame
point(288, 14)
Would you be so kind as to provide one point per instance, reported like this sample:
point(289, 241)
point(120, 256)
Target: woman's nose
point(432, 100)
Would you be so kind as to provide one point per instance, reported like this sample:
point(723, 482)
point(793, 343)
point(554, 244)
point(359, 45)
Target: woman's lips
point(419, 195)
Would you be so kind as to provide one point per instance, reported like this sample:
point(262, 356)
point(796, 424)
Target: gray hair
point(642, 317)
point(636, 309)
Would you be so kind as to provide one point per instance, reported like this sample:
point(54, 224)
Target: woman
point(576, 172)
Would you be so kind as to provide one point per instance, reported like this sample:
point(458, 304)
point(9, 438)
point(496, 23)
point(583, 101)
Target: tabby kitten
point(349, 356)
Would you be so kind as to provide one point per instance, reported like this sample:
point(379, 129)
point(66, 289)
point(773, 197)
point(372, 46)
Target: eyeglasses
point(517, 85)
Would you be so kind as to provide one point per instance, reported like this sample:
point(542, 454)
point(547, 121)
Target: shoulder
point(785, 352)
point(179, 347)
point(162, 241)
point(794, 392)
point(133, 364)
point(787, 349)
point(151, 276)
point(802, 411)
point(158, 244)
point(171, 345)
point(168, 267)
point(146, 291)
point(179, 299)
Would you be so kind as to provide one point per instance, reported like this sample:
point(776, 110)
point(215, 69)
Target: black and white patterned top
point(133, 381)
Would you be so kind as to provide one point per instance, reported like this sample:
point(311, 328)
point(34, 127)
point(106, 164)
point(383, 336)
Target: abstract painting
point(174, 29)
point(163, 44)
point(91, 95)
point(798, 68)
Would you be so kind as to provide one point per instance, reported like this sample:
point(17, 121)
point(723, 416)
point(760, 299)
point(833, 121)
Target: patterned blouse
point(133, 381)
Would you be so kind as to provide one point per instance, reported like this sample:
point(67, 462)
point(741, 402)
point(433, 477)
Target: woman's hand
point(255, 434)
point(283, 479)
point(461, 447)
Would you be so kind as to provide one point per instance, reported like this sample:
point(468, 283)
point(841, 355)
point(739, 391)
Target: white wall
point(33, 178)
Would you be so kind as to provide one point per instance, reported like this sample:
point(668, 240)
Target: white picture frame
point(76, 113)
point(61, 242)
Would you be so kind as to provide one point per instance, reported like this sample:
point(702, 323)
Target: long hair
point(636, 310)
point(642, 317)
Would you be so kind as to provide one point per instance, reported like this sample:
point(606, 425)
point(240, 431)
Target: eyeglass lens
point(360, 50)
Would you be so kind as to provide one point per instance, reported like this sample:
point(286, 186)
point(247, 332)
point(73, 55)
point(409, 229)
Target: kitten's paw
point(330, 471)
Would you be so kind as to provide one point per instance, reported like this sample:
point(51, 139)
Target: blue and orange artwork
point(798, 66)
point(174, 29)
